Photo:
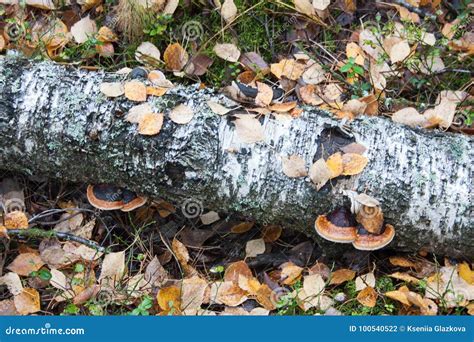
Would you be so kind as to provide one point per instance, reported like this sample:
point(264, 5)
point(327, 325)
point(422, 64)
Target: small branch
point(463, 71)
point(422, 13)
point(40, 233)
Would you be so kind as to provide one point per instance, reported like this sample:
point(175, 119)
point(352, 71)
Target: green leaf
point(358, 69)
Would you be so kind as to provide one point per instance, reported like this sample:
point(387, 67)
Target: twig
point(422, 13)
point(40, 233)
point(464, 71)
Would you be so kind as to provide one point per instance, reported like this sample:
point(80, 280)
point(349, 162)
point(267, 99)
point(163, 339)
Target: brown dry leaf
point(254, 62)
point(321, 269)
point(470, 309)
point(209, 217)
point(334, 164)
point(321, 5)
point(264, 95)
point(254, 248)
point(290, 273)
point(354, 148)
point(304, 7)
point(242, 227)
point(370, 44)
point(13, 283)
point(16, 220)
point(365, 280)
point(309, 95)
point(313, 285)
point(112, 89)
point(288, 68)
point(159, 79)
point(147, 53)
point(26, 263)
point(169, 298)
point(450, 286)
point(198, 65)
point(442, 114)
point(106, 35)
point(218, 108)
point(248, 129)
point(151, 123)
point(354, 51)
point(341, 276)
point(271, 233)
point(294, 166)
point(7, 306)
point(377, 75)
point(181, 114)
point(59, 280)
point(180, 251)
point(249, 285)
point(27, 302)
point(105, 49)
point(136, 113)
point(431, 64)
point(155, 274)
point(372, 104)
point(83, 29)
point(405, 277)
point(410, 116)
point(2, 43)
point(265, 297)
point(135, 91)
point(314, 74)
point(401, 261)
point(367, 297)
point(282, 107)
point(355, 106)
point(319, 173)
point(113, 266)
point(332, 92)
point(192, 293)
point(449, 29)
point(70, 223)
point(405, 14)
point(228, 11)
point(235, 270)
point(175, 57)
point(397, 48)
point(156, 91)
point(466, 273)
point(399, 296)
point(86, 294)
point(228, 52)
point(228, 293)
point(353, 163)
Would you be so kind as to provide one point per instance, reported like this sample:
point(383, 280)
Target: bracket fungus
point(110, 197)
point(338, 226)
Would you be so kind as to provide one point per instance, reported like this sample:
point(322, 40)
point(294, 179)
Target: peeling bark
point(55, 122)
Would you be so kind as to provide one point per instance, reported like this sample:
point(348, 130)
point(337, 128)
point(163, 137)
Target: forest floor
point(409, 60)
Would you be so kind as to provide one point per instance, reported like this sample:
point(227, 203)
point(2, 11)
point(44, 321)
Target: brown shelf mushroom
point(132, 201)
point(338, 226)
point(367, 241)
point(105, 197)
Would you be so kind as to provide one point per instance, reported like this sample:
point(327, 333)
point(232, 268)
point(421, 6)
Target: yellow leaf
point(353, 163)
point(288, 68)
point(334, 163)
point(405, 277)
point(175, 57)
point(242, 227)
point(237, 269)
point(466, 273)
point(156, 91)
point(27, 302)
point(341, 276)
point(169, 298)
point(290, 273)
point(16, 220)
point(135, 91)
point(398, 296)
point(367, 297)
point(150, 124)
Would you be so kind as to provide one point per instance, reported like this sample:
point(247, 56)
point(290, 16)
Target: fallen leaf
point(254, 248)
point(321, 5)
point(254, 62)
point(228, 52)
point(405, 277)
point(294, 166)
point(313, 285)
point(354, 148)
point(290, 273)
point(13, 283)
point(198, 65)
point(228, 11)
point(175, 57)
point(27, 302)
point(466, 273)
point(106, 35)
point(135, 91)
point(399, 296)
point(401, 261)
point(218, 108)
point(304, 7)
point(271, 233)
point(355, 106)
point(236, 270)
point(181, 114)
point(192, 293)
point(156, 91)
point(7, 307)
point(372, 104)
point(113, 266)
point(58, 280)
point(319, 173)
point(15, 220)
point(242, 227)
point(83, 30)
point(228, 293)
point(442, 114)
point(309, 95)
point(155, 274)
point(70, 223)
point(169, 298)
point(314, 74)
point(283, 107)
point(26, 263)
point(159, 79)
point(42, 4)
point(334, 164)
point(264, 95)
point(405, 14)
point(288, 68)
point(398, 50)
point(209, 218)
point(147, 53)
point(369, 43)
point(431, 64)
point(180, 251)
point(151, 123)
point(248, 129)
point(367, 297)
point(112, 89)
point(341, 276)
point(353, 163)
point(365, 280)
point(354, 51)
point(249, 285)
point(409, 116)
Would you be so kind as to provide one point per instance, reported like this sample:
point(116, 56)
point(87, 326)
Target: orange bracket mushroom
point(338, 226)
point(110, 197)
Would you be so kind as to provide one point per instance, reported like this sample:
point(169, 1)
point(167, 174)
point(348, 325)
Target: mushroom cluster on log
point(54, 121)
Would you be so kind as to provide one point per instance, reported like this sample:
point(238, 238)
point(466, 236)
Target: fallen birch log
point(55, 122)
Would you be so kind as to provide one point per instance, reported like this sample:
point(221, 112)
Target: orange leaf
point(341, 276)
point(334, 163)
point(27, 302)
point(242, 227)
point(26, 263)
point(290, 273)
point(353, 163)
point(175, 57)
point(399, 296)
point(16, 220)
point(169, 298)
point(237, 269)
point(466, 273)
point(135, 91)
point(367, 297)
point(401, 261)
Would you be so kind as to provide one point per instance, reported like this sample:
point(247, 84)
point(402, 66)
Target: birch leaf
point(304, 7)
point(169, 298)
point(321, 5)
point(288, 68)
point(334, 163)
point(13, 283)
point(181, 114)
point(228, 11)
point(314, 74)
point(228, 52)
point(192, 293)
point(27, 302)
point(319, 173)
point(25, 263)
point(113, 266)
point(365, 280)
point(218, 108)
point(112, 89)
point(135, 91)
point(399, 51)
point(147, 50)
point(254, 248)
point(58, 280)
point(367, 297)
point(151, 124)
point(248, 129)
point(294, 166)
point(264, 96)
point(341, 276)
point(409, 116)
point(313, 285)
point(83, 29)
point(175, 57)
point(353, 163)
